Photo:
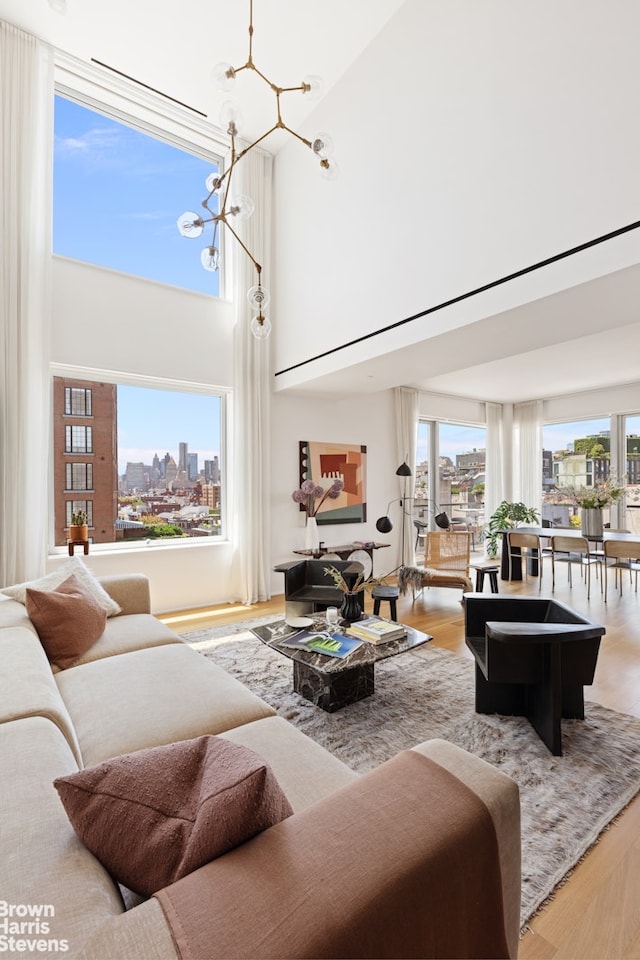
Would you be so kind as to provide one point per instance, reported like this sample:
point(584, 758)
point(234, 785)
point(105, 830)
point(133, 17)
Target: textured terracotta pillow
point(68, 619)
point(74, 565)
point(156, 815)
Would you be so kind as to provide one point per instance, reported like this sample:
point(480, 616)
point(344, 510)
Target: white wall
point(474, 139)
point(363, 420)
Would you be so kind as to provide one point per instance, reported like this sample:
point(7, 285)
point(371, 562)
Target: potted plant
point(592, 501)
point(351, 609)
point(78, 528)
point(506, 516)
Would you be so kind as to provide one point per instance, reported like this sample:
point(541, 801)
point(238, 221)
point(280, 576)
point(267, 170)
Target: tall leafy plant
point(506, 516)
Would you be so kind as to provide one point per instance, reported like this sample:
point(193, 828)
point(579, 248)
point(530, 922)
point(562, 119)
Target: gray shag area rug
point(566, 801)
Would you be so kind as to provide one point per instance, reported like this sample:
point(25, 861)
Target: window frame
point(223, 394)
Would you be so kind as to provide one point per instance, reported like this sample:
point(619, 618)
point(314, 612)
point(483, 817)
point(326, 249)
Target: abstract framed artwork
point(325, 462)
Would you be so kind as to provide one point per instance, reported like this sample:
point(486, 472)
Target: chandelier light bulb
point(312, 87)
point(190, 225)
point(322, 146)
point(241, 207)
point(260, 327)
point(230, 117)
point(329, 170)
point(213, 182)
point(224, 76)
point(210, 259)
point(258, 297)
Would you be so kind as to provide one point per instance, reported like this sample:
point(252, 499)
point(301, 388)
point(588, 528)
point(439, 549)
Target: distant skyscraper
point(134, 478)
point(212, 470)
point(183, 456)
point(192, 470)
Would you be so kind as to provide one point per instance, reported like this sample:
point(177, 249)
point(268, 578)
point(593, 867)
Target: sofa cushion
point(150, 697)
point(128, 632)
point(305, 770)
point(27, 685)
point(73, 565)
point(154, 816)
point(43, 860)
point(68, 620)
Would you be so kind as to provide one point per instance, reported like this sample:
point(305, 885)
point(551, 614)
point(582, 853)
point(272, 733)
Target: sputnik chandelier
point(237, 208)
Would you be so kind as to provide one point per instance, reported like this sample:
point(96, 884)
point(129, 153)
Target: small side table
point(391, 594)
point(491, 569)
point(72, 544)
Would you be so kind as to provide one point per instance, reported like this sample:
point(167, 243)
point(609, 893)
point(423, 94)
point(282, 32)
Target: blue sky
point(117, 196)
point(163, 419)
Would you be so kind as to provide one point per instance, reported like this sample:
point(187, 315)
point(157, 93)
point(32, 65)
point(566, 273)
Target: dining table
point(546, 533)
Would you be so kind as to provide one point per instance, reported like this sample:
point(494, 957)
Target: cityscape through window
point(153, 467)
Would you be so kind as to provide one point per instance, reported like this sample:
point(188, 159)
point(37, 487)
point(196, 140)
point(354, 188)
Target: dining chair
point(573, 550)
point(624, 555)
point(526, 547)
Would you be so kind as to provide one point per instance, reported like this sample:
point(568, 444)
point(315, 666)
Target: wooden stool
point(385, 593)
point(72, 544)
point(490, 568)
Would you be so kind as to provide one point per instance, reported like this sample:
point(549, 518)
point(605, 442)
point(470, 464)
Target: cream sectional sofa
point(140, 686)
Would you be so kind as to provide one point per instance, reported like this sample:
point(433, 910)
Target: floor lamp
point(384, 525)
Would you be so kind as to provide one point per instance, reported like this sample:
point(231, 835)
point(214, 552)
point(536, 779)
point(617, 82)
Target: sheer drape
point(494, 490)
point(406, 420)
point(249, 478)
point(26, 140)
point(527, 422)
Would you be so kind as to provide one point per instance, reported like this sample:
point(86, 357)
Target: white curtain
point(26, 151)
point(250, 458)
point(406, 421)
point(494, 488)
point(527, 423)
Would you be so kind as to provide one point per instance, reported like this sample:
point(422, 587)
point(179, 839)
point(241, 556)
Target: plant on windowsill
point(78, 528)
point(506, 516)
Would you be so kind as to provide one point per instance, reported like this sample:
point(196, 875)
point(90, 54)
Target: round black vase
point(350, 609)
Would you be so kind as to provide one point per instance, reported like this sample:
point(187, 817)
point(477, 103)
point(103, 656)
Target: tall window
point(457, 486)
point(575, 454)
point(117, 195)
point(151, 458)
point(462, 454)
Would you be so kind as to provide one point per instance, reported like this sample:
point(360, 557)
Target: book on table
point(377, 630)
point(321, 641)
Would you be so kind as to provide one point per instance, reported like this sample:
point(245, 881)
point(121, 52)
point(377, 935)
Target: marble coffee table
point(330, 682)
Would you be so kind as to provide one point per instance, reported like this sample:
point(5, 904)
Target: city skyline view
point(177, 418)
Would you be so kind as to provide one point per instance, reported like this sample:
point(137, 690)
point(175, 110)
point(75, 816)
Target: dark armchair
point(308, 589)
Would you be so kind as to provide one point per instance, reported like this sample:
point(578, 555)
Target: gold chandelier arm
point(255, 263)
point(306, 142)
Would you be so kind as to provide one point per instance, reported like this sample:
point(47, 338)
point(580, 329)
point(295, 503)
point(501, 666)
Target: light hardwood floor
point(596, 914)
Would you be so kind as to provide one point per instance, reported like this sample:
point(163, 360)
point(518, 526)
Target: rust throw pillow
point(156, 815)
point(68, 620)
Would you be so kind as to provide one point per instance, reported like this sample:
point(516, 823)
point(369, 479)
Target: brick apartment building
point(85, 468)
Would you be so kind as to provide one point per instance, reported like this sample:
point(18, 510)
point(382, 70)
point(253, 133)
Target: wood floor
point(596, 914)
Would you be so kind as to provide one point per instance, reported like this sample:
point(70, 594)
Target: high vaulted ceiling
point(172, 48)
